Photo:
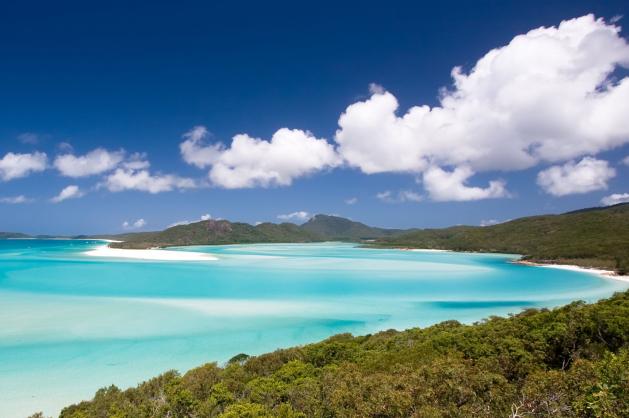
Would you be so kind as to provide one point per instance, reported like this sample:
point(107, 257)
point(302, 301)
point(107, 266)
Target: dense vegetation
point(597, 237)
point(319, 228)
point(572, 361)
point(335, 228)
point(217, 232)
point(6, 235)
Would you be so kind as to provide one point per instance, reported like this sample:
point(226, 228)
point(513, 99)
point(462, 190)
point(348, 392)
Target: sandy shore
point(428, 250)
point(156, 255)
point(607, 274)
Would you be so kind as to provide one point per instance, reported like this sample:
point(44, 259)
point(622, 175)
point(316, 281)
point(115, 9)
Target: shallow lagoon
point(70, 323)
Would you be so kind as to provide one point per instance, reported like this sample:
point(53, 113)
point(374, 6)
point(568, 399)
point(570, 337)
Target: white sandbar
point(153, 254)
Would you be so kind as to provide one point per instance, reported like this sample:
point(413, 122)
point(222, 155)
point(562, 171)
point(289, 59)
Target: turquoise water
point(70, 323)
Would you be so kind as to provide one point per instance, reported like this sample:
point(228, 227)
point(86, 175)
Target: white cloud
point(252, 162)
point(142, 180)
point(548, 96)
point(351, 201)
point(375, 88)
point(65, 147)
point(136, 161)
point(29, 138)
point(195, 151)
point(14, 200)
point(451, 186)
point(490, 222)
point(300, 216)
point(399, 197)
point(614, 199)
point(587, 175)
point(205, 217)
point(140, 223)
point(94, 162)
point(625, 160)
point(13, 166)
point(69, 192)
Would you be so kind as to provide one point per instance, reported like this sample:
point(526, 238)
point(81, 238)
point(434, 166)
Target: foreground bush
point(568, 362)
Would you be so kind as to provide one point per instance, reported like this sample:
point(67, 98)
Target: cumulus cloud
point(351, 201)
point(13, 166)
point(587, 175)
point(254, 162)
point(547, 96)
point(142, 180)
point(94, 162)
point(452, 185)
point(299, 216)
point(195, 151)
point(614, 199)
point(140, 223)
point(399, 197)
point(14, 200)
point(69, 192)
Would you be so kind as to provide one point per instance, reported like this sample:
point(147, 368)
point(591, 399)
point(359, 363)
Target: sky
point(131, 116)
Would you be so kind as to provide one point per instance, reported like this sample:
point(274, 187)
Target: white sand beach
point(607, 274)
point(152, 254)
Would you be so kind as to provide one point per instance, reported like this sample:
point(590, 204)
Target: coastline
point(605, 274)
point(149, 255)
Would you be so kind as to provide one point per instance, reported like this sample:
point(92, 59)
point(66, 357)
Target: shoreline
point(149, 254)
point(605, 274)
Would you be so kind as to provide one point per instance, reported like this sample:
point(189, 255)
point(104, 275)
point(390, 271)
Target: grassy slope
point(593, 237)
point(567, 362)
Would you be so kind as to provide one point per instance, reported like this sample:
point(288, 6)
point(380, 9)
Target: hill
point(595, 237)
point(335, 228)
point(567, 362)
point(209, 232)
point(6, 235)
point(216, 232)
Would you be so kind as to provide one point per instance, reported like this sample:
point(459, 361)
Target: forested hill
point(7, 235)
point(596, 237)
point(335, 228)
point(567, 362)
point(319, 228)
point(217, 232)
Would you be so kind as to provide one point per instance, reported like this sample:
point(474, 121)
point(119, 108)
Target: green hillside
point(7, 235)
point(597, 237)
point(335, 228)
point(568, 362)
point(213, 232)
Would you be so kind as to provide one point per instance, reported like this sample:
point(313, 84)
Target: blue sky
point(130, 81)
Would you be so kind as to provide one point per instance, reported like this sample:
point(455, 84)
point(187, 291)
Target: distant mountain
point(211, 232)
point(593, 237)
point(335, 228)
point(5, 235)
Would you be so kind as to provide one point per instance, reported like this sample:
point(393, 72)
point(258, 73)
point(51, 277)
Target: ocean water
point(71, 323)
